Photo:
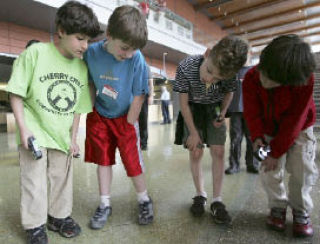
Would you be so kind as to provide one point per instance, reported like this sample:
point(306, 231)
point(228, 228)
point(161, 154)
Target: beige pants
point(57, 167)
point(299, 162)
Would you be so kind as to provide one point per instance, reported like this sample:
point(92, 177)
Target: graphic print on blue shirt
point(116, 82)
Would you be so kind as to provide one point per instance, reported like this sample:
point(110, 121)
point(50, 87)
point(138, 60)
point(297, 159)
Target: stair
point(316, 93)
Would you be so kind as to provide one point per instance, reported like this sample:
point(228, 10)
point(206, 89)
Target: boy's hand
point(74, 149)
point(269, 164)
point(24, 135)
point(193, 142)
point(218, 121)
point(258, 143)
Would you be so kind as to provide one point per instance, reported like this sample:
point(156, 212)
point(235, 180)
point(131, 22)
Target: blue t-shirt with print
point(116, 82)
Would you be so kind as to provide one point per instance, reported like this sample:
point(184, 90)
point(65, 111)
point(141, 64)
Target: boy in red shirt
point(280, 111)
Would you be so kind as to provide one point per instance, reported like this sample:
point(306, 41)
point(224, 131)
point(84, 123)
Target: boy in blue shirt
point(119, 84)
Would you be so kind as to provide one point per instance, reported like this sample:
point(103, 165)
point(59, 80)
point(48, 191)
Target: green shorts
point(203, 117)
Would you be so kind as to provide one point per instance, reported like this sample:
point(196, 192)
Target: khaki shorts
point(203, 117)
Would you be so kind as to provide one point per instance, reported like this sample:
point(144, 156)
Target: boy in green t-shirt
point(48, 92)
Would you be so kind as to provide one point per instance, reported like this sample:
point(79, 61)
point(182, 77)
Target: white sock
point(143, 196)
point(217, 199)
point(202, 193)
point(104, 201)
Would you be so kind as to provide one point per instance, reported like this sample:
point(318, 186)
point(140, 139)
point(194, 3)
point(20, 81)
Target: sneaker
point(252, 169)
point(146, 212)
point(277, 219)
point(37, 235)
point(197, 208)
point(100, 217)
point(302, 226)
point(232, 170)
point(66, 227)
point(219, 213)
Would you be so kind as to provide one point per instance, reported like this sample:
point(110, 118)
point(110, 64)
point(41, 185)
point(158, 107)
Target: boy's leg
point(273, 183)
point(60, 173)
point(33, 186)
point(129, 148)
point(143, 124)
point(251, 162)
point(200, 199)
point(100, 147)
point(303, 175)
point(217, 155)
point(236, 135)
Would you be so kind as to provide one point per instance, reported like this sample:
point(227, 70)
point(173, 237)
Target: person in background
point(30, 42)
point(143, 117)
point(280, 113)
point(47, 101)
point(238, 129)
point(165, 101)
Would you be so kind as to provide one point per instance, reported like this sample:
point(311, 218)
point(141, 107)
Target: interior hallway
point(169, 184)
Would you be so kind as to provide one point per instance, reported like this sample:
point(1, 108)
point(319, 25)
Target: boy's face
point(209, 73)
point(73, 45)
point(266, 82)
point(119, 49)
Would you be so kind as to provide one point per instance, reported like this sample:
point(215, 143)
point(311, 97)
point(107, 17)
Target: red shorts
point(104, 135)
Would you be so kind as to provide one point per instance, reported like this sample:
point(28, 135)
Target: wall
point(204, 29)
point(13, 38)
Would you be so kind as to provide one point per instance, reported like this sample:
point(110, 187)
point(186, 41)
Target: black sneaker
point(66, 227)
point(146, 212)
point(252, 169)
point(197, 208)
point(100, 217)
point(219, 213)
point(37, 235)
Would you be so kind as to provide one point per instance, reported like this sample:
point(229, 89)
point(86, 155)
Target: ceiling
point(260, 21)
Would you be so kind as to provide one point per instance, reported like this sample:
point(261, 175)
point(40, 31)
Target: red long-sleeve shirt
point(280, 112)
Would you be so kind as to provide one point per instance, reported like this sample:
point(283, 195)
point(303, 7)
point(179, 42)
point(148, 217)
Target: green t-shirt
point(53, 88)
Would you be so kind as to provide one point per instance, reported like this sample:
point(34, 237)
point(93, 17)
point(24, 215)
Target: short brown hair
point(287, 60)
point(75, 17)
point(229, 55)
point(128, 25)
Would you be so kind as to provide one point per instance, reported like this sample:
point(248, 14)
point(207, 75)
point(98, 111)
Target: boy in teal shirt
point(48, 92)
point(119, 84)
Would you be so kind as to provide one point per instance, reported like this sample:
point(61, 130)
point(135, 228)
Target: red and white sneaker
point(277, 219)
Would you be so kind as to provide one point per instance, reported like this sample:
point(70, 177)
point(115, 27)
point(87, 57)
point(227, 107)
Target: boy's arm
point(194, 139)
point(135, 108)
point(92, 92)
point(226, 103)
point(17, 107)
point(74, 147)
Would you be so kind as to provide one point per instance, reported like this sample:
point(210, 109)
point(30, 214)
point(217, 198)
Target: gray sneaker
point(100, 217)
point(145, 212)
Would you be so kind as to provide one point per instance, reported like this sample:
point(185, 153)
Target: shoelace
point(144, 209)
point(99, 213)
point(199, 201)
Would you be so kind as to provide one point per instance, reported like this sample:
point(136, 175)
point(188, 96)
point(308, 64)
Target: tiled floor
point(170, 185)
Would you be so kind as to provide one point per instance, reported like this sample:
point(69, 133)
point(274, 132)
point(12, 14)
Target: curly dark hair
point(287, 60)
point(74, 17)
point(229, 55)
point(128, 25)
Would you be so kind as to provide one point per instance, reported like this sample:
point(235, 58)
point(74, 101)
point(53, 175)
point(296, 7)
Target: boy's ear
point(60, 31)
point(206, 54)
